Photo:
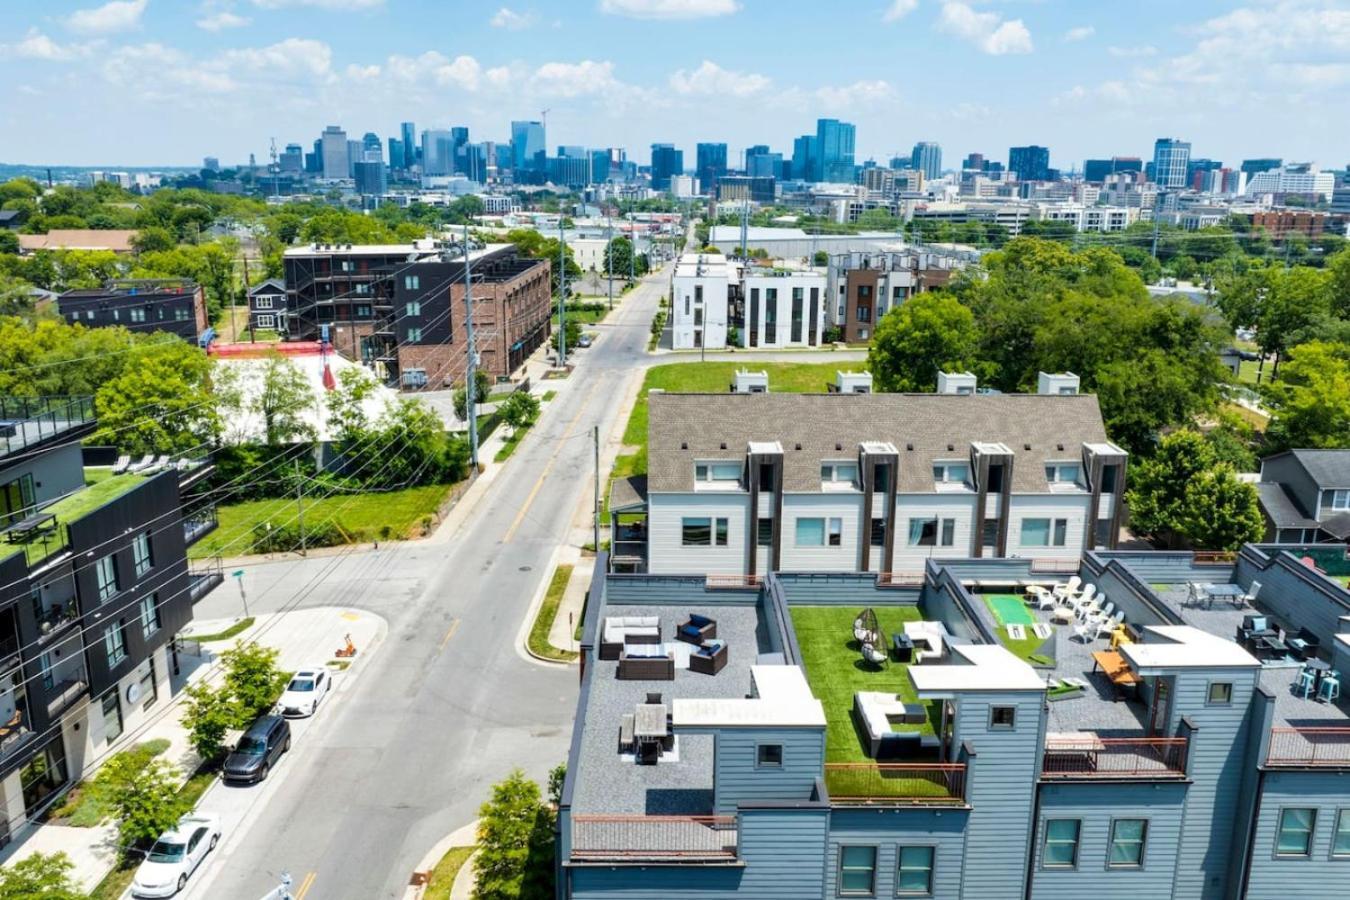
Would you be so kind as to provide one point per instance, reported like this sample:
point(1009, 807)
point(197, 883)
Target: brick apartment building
point(865, 286)
point(1281, 222)
point(176, 305)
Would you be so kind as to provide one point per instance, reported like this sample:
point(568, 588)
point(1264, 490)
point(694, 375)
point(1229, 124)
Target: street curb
point(523, 636)
point(464, 836)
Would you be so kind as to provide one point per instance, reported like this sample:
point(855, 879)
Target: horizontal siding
point(738, 780)
point(1096, 805)
point(1300, 879)
point(888, 830)
point(663, 590)
point(665, 521)
point(842, 589)
point(958, 507)
point(1155, 567)
point(1071, 507)
point(845, 558)
point(1296, 594)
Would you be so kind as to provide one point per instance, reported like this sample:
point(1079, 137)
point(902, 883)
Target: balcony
point(203, 576)
point(1090, 756)
point(916, 784)
point(198, 524)
point(1326, 746)
point(694, 839)
point(65, 692)
point(51, 619)
point(30, 420)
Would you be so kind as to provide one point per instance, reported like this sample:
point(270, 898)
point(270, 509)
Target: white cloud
point(1133, 52)
point(36, 45)
point(118, 15)
point(987, 30)
point(574, 79)
point(898, 10)
point(670, 9)
point(1081, 33)
point(711, 79)
point(320, 4)
point(221, 21)
point(433, 67)
point(511, 20)
point(857, 94)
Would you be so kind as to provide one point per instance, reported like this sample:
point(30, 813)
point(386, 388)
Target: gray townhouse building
point(750, 483)
point(801, 734)
point(1305, 496)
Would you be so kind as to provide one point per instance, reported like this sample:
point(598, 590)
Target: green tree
point(1219, 512)
point(160, 402)
point(208, 715)
point(519, 410)
point(572, 330)
point(515, 841)
point(1310, 403)
point(1157, 494)
point(914, 341)
point(461, 396)
point(414, 449)
point(154, 239)
point(40, 876)
point(9, 242)
point(144, 799)
point(347, 416)
point(821, 258)
point(284, 400)
point(253, 682)
point(535, 245)
point(1339, 268)
point(619, 256)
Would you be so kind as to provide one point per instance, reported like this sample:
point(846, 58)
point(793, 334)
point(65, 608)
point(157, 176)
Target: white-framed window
point(363, 287)
point(1061, 844)
point(412, 308)
point(1003, 717)
point(838, 474)
point(932, 532)
point(951, 472)
point(182, 314)
point(150, 614)
point(1220, 693)
point(1295, 835)
point(1340, 500)
point(914, 870)
point(1063, 473)
point(704, 531)
point(1340, 838)
point(721, 473)
point(810, 531)
point(137, 314)
point(267, 321)
point(1127, 843)
point(1045, 532)
point(834, 535)
point(857, 871)
point(262, 302)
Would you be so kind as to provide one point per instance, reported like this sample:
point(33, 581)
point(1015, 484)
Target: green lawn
point(583, 316)
point(442, 879)
point(714, 378)
point(237, 628)
point(101, 486)
point(835, 670)
point(1027, 649)
point(363, 516)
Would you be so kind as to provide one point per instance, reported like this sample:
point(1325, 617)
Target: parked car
point(307, 689)
point(584, 341)
point(176, 855)
point(258, 750)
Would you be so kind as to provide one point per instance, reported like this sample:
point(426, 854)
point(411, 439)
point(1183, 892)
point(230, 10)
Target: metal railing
point(64, 693)
point(203, 575)
point(913, 783)
point(714, 582)
point(31, 419)
point(1213, 557)
point(693, 838)
point(1090, 756)
point(1057, 566)
point(1325, 746)
point(51, 618)
point(199, 523)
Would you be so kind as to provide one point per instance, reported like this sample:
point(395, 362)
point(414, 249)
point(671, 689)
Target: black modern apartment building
point(94, 584)
point(175, 305)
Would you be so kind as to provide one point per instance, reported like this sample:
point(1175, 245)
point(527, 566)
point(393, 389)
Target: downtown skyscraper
point(832, 157)
point(927, 158)
point(1170, 158)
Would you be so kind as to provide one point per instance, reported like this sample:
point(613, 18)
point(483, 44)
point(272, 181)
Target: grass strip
point(242, 625)
point(548, 611)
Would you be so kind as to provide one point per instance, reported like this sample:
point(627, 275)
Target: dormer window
point(951, 473)
point(1340, 500)
point(1063, 473)
point(838, 475)
point(717, 474)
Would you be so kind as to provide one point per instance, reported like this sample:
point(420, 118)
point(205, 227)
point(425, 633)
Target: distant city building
point(438, 152)
point(666, 162)
point(211, 164)
point(1292, 180)
point(572, 170)
point(371, 147)
point(527, 146)
point(757, 189)
point(711, 165)
point(175, 305)
point(395, 153)
point(1170, 157)
point(927, 158)
point(804, 158)
point(833, 149)
point(1096, 170)
point(765, 164)
point(408, 130)
point(335, 157)
point(1252, 166)
point(973, 163)
point(600, 166)
point(1030, 163)
point(370, 177)
point(292, 160)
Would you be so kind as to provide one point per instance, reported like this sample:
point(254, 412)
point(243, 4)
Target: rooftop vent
point(684, 445)
point(724, 445)
point(1058, 383)
point(956, 383)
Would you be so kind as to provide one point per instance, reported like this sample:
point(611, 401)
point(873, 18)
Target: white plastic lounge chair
point(1249, 598)
point(1016, 631)
point(121, 465)
point(146, 462)
point(1068, 590)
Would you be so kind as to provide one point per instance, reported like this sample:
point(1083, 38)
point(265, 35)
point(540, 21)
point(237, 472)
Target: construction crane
point(543, 118)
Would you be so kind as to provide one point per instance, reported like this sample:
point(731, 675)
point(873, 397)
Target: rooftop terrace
point(28, 421)
point(52, 537)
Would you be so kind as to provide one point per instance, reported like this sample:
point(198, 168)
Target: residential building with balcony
point(821, 735)
point(699, 288)
point(174, 305)
point(267, 306)
point(743, 484)
point(865, 286)
point(94, 584)
point(780, 306)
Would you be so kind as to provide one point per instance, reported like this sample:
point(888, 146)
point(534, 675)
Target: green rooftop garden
point(1011, 609)
point(835, 670)
point(98, 490)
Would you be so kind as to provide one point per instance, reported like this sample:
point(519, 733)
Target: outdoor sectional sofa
point(622, 630)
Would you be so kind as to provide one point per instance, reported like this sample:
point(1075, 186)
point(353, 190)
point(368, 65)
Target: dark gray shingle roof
point(1329, 468)
point(1280, 507)
point(819, 422)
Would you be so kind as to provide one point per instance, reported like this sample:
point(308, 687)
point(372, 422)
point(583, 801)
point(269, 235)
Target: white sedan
point(176, 855)
point(307, 688)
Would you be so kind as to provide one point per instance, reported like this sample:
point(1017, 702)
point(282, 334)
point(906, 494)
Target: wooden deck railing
point(689, 838)
point(1213, 557)
point(726, 582)
point(899, 579)
point(916, 783)
point(1324, 746)
point(1096, 757)
point(1057, 566)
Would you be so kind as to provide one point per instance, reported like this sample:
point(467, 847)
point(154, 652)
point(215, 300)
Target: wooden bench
point(626, 731)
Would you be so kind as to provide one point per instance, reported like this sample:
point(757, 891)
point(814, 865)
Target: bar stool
point(1330, 688)
point(1305, 682)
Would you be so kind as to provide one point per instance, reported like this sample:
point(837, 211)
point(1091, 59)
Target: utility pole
point(595, 432)
point(251, 337)
point(632, 250)
point(609, 256)
point(562, 296)
point(471, 351)
point(300, 505)
point(1157, 222)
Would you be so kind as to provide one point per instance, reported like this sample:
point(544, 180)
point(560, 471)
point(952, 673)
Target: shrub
point(286, 538)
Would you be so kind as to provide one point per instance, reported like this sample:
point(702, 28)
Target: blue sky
point(142, 82)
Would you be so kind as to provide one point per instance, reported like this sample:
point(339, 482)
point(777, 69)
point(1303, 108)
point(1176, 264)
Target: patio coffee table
point(1063, 615)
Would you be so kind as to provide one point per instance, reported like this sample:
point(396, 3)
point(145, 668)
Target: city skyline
point(233, 75)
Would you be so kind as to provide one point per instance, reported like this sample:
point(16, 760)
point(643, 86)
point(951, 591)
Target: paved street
point(448, 704)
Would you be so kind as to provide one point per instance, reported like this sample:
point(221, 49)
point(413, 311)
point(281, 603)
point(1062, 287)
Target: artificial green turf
point(98, 491)
point(835, 671)
point(1001, 605)
point(1009, 609)
point(877, 781)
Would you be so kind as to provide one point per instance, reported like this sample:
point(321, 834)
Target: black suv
point(258, 750)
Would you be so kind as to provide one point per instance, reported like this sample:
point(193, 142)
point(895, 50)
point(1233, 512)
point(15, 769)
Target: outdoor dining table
point(1118, 672)
point(1319, 668)
point(649, 723)
point(1229, 592)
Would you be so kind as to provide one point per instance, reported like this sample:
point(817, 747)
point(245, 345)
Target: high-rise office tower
point(666, 161)
point(833, 148)
point(459, 141)
point(927, 158)
point(438, 152)
point(370, 177)
point(1170, 156)
point(1029, 163)
point(973, 163)
point(409, 134)
point(371, 147)
point(1252, 166)
point(527, 146)
point(335, 155)
point(396, 154)
point(804, 158)
point(600, 166)
point(292, 159)
point(752, 152)
point(1096, 170)
point(711, 165)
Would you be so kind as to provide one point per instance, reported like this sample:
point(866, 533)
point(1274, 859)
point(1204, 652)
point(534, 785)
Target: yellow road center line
point(534, 491)
point(450, 632)
point(306, 885)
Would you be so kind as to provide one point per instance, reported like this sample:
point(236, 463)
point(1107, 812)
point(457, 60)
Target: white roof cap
point(783, 699)
point(987, 667)
point(1182, 647)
